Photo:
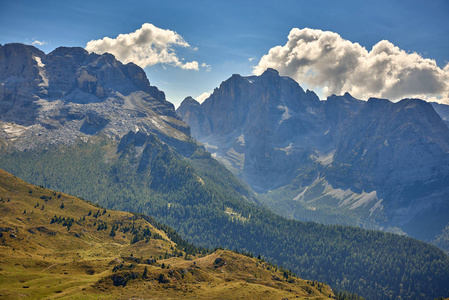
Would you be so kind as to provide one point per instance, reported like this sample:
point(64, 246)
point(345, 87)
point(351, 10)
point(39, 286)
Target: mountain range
point(375, 164)
point(70, 94)
point(88, 125)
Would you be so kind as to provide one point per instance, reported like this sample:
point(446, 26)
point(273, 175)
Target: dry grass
point(44, 260)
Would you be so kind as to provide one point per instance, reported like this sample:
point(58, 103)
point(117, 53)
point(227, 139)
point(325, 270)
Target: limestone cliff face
point(443, 111)
point(338, 110)
point(19, 75)
point(70, 93)
point(193, 114)
point(387, 142)
point(377, 160)
point(262, 127)
point(401, 150)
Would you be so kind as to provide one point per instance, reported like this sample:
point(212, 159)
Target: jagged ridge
point(383, 164)
point(71, 94)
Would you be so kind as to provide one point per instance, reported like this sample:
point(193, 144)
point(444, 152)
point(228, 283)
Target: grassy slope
point(40, 259)
point(198, 199)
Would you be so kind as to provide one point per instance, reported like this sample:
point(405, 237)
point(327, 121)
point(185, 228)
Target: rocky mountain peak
point(257, 117)
point(71, 93)
point(19, 62)
point(69, 51)
point(378, 102)
point(271, 133)
point(17, 49)
point(393, 139)
point(413, 102)
point(270, 72)
point(189, 101)
point(346, 98)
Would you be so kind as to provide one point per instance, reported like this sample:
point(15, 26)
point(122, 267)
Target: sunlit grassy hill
point(55, 246)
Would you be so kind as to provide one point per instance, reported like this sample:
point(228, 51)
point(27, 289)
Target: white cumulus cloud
point(324, 60)
point(202, 97)
point(145, 47)
point(38, 43)
point(206, 66)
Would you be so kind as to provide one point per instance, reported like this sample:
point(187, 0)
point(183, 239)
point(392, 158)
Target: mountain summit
point(71, 93)
point(255, 122)
point(377, 163)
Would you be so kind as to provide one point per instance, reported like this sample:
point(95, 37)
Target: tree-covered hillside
point(204, 203)
point(53, 245)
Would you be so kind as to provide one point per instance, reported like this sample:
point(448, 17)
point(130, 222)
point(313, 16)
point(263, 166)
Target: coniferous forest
point(201, 200)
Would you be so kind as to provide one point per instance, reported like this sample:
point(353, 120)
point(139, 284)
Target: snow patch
point(285, 116)
point(40, 64)
point(288, 150)
point(42, 73)
point(325, 160)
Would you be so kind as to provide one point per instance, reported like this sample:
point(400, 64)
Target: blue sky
point(232, 36)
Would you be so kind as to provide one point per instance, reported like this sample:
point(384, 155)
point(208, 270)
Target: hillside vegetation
point(56, 246)
point(199, 198)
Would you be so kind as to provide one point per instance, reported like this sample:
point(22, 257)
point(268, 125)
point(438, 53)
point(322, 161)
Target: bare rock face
point(70, 94)
point(193, 114)
point(386, 142)
point(382, 163)
point(338, 110)
point(19, 75)
point(401, 150)
point(261, 127)
point(443, 111)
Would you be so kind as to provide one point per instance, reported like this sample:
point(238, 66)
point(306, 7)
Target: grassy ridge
point(106, 254)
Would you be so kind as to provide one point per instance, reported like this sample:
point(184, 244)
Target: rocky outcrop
point(193, 114)
point(68, 94)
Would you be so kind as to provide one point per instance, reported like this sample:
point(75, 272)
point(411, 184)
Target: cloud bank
point(324, 60)
point(145, 47)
